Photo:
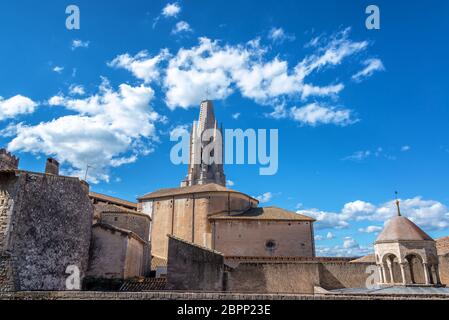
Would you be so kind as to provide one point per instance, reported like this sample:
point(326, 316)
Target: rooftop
point(400, 228)
point(113, 208)
point(200, 188)
point(112, 200)
point(116, 229)
point(267, 213)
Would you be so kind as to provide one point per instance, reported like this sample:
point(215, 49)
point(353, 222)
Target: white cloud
point(405, 148)
point(350, 243)
point(279, 112)
point(215, 70)
point(330, 235)
point(318, 238)
point(236, 115)
point(76, 90)
point(363, 154)
point(358, 155)
point(371, 229)
point(17, 105)
point(371, 66)
point(278, 35)
point(182, 26)
point(142, 65)
point(171, 10)
point(314, 114)
point(80, 44)
point(427, 214)
point(264, 198)
point(349, 248)
point(230, 183)
point(109, 129)
point(58, 69)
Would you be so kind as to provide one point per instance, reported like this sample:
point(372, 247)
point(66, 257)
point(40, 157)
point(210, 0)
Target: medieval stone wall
point(273, 278)
point(107, 254)
point(250, 238)
point(444, 269)
point(136, 223)
point(337, 275)
point(49, 228)
point(6, 274)
point(8, 188)
point(134, 258)
point(191, 267)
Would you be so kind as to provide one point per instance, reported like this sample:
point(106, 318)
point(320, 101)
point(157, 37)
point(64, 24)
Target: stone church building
point(205, 212)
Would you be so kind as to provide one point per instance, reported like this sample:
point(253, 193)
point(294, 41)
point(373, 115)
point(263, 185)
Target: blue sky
point(360, 113)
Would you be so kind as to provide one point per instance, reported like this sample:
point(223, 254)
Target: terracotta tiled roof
point(158, 262)
point(112, 200)
point(147, 284)
point(267, 213)
point(400, 228)
point(203, 188)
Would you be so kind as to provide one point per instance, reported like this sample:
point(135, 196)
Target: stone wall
point(134, 258)
point(295, 277)
point(191, 267)
point(273, 278)
point(6, 274)
point(186, 217)
point(49, 228)
point(107, 254)
point(249, 238)
point(139, 224)
point(337, 275)
point(444, 269)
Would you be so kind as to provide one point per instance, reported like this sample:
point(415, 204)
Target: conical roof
point(401, 228)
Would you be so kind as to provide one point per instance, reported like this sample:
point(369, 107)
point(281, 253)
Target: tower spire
point(398, 204)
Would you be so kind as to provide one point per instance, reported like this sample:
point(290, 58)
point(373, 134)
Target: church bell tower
point(206, 142)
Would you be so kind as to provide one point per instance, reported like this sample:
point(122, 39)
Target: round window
point(270, 245)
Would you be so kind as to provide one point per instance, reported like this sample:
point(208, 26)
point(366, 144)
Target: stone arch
point(390, 263)
point(416, 268)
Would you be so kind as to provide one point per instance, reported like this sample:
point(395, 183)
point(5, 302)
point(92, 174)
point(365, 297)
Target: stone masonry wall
point(191, 267)
point(273, 278)
point(444, 269)
point(6, 274)
point(50, 229)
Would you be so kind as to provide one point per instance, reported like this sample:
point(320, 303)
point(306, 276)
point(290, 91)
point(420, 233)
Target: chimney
point(8, 161)
point(52, 167)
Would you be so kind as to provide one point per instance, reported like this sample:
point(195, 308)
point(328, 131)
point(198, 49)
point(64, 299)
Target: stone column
point(403, 274)
point(390, 269)
point(436, 272)
point(384, 274)
point(426, 273)
point(381, 276)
